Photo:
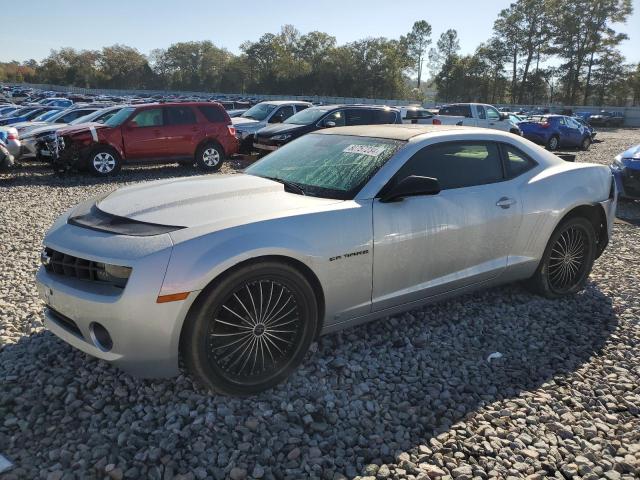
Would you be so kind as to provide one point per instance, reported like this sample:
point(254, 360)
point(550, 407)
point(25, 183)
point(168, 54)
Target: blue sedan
point(555, 131)
point(626, 171)
point(25, 114)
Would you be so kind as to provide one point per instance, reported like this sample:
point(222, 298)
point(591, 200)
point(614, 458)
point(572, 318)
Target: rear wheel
point(567, 260)
point(104, 161)
point(249, 331)
point(553, 143)
point(210, 157)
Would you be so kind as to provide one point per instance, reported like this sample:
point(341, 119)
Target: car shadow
point(361, 396)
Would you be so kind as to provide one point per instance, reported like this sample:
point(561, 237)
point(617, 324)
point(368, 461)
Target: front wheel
point(210, 157)
point(104, 161)
point(250, 330)
point(567, 260)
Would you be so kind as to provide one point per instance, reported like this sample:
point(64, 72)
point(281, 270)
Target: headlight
point(281, 138)
point(115, 274)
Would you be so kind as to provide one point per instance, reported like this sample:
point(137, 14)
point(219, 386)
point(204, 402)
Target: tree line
point(540, 51)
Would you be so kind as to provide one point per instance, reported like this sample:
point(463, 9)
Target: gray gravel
point(411, 396)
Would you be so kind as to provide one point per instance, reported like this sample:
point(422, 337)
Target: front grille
point(70, 266)
point(65, 322)
point(631, 184)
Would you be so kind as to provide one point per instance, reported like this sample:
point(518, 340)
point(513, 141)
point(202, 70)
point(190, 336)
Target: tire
point(586, 143)
point(559, 275)
point(553, 143)
point(104, 161)
point(238, 341)
point(209, 157)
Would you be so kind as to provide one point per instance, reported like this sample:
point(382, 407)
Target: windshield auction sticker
point(371, 150)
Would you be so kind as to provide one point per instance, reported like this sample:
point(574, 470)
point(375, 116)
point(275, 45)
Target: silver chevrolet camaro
point(237, 274)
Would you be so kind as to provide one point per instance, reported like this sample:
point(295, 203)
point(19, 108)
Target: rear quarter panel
point(548, 196)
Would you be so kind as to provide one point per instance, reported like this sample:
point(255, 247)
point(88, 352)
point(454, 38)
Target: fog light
point(100, 337)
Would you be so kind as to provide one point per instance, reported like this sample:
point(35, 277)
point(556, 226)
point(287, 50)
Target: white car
point(475, 115)
point(237, 274)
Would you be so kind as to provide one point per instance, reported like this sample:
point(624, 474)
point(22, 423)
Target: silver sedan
point(237, 274)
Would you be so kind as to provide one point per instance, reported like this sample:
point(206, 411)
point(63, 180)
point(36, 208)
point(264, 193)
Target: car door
point(143, 136)
point(567, 135)
point(481, 116)
point(428, 245)
point(181, 131)
point(494, 119)
point(577, 131)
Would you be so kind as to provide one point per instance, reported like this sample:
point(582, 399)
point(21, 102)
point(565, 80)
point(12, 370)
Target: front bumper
point(627, 181)
point(145, 334)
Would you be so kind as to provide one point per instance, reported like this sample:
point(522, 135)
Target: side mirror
point(411, 186)
point(329, 124)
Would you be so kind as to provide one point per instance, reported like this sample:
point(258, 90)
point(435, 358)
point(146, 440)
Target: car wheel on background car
point(586, 143)
point(104, 161)
point(553, 143)
point(248, 331)
point(567, 260)
point(210, 157)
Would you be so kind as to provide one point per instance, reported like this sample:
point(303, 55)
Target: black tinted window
point(282, 114)
point(299, 108)
point(212, 113)
point(358, 116)
point(180, 116)
point(517, 161)
point(383, 116)
point(456, 110)
point(456, 164)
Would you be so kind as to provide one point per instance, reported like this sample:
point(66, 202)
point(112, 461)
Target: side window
point(562, 122)
point(180, 115)
point(384, 116)
point(299, 108)
point(481, 113)
point(456, 164)
point(358, 116)
point(151, 117)
point(335, 117)
point(282, 114)
point(105, 116)
point(212, 113)
point(517, 162)
point(492, 114)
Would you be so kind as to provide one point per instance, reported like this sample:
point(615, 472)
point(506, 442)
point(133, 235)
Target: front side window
point(456, 164)
point(180, 116)
point(517, 162)
point(358, 116)
point(337, 118)
point(493, 114)
point(282, 114)
point(151, 117)
point(330, 166)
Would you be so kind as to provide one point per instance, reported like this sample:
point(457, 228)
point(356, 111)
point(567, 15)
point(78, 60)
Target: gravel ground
point(410, 397)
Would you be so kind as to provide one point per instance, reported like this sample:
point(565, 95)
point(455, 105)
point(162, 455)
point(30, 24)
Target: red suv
point(198, 132)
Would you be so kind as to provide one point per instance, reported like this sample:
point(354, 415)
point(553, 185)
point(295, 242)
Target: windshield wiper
point(290, 185)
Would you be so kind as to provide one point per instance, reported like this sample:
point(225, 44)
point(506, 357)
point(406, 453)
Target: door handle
point(505, 202)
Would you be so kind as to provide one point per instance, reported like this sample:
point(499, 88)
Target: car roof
point(390, 131)
point(283, 102)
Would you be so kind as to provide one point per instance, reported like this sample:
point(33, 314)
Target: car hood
point(218, 201)
point(633, 152)
point(81, 127)
point(44, 129)
point(280, 128)
point(244, 121)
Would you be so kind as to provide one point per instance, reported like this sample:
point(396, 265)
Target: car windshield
point(119, 117)
point(306, 117)
point(329, 166)
point(259, 112)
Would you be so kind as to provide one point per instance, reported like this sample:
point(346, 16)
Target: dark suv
point(272, 137)
point(196, 132)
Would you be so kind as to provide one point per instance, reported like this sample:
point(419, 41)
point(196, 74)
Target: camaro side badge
point(347, 255)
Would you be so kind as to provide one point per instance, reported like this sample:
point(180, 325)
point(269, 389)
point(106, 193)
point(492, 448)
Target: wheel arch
point(207, 140)
point(594, 212)
point(301, 267)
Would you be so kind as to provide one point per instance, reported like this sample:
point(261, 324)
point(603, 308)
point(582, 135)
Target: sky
point(37, 26)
